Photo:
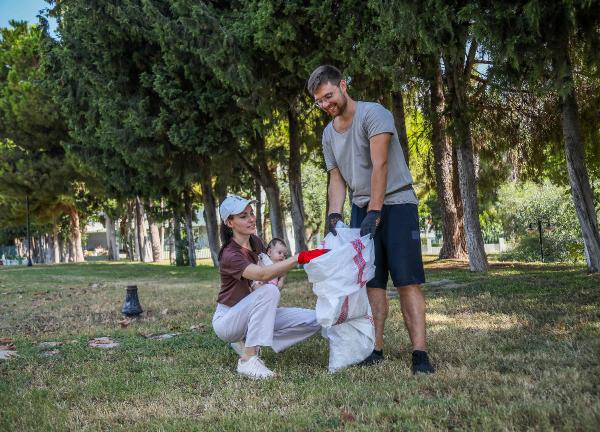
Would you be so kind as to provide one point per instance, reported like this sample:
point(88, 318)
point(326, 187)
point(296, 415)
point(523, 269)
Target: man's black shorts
point(397, 245)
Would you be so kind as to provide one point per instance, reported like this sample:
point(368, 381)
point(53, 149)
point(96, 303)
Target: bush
point(527, 248)
point(522, 206)
point(491, 226)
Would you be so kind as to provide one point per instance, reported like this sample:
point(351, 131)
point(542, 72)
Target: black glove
point(332, 220)
point(370, 223)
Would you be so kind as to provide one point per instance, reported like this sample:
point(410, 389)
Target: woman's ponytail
point(226, 234)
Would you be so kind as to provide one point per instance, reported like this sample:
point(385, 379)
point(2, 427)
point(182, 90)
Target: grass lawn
point(517, 348)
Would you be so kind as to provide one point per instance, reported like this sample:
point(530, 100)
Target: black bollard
point(132, 306)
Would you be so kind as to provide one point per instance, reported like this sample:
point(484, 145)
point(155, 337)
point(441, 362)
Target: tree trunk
point(18, 244)
point(108, 225)
point(161, 231)
point(171, 240)
point(49, 250)
point(189, 215)
point(265, 177)
point(35, 249)
point(210, 214)
point(156, 244)
point(454, 246)
point(125, 234)
point(258, 211)
point(111, 239)
point(70, 252)
point(578, 176)
point(286, 238)
point(220, 188)
point(43, 247)
point(56, 252)
point(45, 250)
point(62, 255)
point(460, 214)
point(131, 232)
point(19, 247)
point(400, 121)
point(275, 212)
point(53, 248)
point(75, 236)
point(295, 183)
point(140, 230)
point(177, 239)
point(39, 250)
point(457, 80)
point(34, 258)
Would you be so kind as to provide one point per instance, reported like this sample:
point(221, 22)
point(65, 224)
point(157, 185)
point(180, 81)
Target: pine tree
point(539, 52)
point(33, 161)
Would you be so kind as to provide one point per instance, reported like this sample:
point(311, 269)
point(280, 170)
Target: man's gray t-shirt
point(350, 152)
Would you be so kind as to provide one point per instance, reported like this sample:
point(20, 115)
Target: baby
point(276, 252)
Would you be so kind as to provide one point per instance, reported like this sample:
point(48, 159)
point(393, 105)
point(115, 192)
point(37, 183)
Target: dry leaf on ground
point(6, 340)
point(161, 336)
point(103, 342)
point(5, 355)
point(125, 323)
point(8, 349)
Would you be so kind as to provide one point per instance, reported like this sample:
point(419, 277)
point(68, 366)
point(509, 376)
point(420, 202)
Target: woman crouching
point(248, 318)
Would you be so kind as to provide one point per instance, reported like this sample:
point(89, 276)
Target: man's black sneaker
point(373, 358)
point(420, 363)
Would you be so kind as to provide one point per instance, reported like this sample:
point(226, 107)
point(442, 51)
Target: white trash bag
point(339, 280)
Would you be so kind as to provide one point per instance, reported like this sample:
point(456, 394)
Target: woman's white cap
point(233, 205)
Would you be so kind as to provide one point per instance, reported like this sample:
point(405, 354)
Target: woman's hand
point(255, 272)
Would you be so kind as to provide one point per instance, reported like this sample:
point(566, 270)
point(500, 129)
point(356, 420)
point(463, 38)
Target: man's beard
point(341, 107)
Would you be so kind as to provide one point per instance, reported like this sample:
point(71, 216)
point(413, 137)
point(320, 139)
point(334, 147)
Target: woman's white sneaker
point(254, 368)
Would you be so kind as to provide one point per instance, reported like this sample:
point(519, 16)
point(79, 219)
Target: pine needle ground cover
point(517, 348)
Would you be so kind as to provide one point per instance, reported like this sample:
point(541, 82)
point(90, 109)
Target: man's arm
point(336, 191)
point(379, 145)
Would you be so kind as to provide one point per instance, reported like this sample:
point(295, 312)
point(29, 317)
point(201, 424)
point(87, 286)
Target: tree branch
point(479, 79)
point(253, 171)
point(470, 58)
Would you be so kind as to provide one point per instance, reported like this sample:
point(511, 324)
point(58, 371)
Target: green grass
point(516, 349)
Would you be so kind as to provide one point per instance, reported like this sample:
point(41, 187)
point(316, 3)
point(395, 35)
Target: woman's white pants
point(257, 319)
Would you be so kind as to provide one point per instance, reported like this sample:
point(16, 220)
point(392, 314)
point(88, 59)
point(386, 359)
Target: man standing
point(362, 151)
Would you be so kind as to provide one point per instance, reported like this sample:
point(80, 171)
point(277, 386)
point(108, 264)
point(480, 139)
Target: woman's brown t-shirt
point(234, 261)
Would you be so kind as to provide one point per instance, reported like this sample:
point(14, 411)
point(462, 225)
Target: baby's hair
point(274, 242)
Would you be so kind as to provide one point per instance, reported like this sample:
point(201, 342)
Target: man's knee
point(407, 291)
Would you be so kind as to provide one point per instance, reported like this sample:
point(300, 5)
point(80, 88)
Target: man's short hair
point(321, 75)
